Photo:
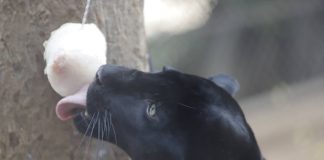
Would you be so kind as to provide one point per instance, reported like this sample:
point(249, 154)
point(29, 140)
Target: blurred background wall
point(275, 48)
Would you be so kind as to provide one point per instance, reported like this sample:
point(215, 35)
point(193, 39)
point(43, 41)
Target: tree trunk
point(29, 129)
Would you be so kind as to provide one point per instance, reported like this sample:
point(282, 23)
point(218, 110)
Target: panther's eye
point(151, 110)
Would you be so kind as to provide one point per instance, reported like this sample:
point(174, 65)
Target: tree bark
point(29, 129)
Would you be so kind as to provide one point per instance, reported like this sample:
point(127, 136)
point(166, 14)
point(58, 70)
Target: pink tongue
point(66, 106)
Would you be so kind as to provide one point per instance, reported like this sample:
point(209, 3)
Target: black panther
point(166, 115)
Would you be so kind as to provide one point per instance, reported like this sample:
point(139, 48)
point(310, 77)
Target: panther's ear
point(168, 68)
point(228, 83)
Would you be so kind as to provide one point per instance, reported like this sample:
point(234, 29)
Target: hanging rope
point(86, 11)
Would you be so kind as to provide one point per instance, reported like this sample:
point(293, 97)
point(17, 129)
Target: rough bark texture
point(29, 127)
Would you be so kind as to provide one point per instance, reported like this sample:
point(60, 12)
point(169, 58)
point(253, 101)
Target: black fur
point(195, 119)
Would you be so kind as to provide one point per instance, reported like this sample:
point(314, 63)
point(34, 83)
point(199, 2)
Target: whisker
point(181, 104)
point(97, 155)
point(86, 132)
point(105, 124)
point(106, 127)
point(93, 126)
point(113, 128)
point(102, 137)
point(109, 125)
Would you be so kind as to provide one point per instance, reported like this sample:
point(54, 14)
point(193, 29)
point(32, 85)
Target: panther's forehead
point(164, 84)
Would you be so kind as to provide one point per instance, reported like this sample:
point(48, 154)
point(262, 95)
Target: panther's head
point(166, 115)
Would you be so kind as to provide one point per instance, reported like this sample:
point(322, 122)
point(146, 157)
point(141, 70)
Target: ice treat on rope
point(73, 54)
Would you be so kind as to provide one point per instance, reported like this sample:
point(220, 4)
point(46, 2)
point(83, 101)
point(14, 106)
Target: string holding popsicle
point(86, 11)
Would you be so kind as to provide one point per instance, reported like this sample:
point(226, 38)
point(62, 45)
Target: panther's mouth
point(70, 106)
